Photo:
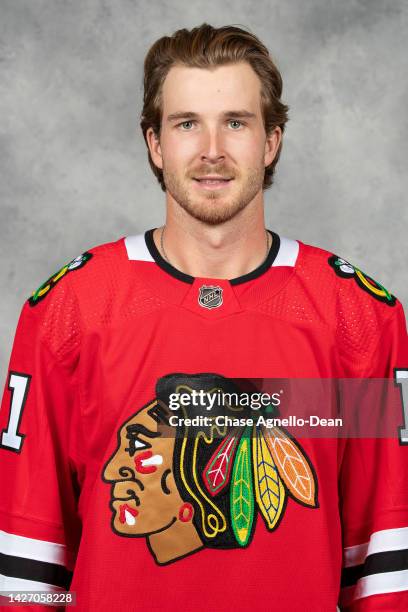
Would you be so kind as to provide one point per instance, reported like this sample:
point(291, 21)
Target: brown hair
point(202, 47)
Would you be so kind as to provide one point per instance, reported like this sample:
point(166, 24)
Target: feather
point(293, 466)
point(217, 471)
point(242, 492)
point(270, 492)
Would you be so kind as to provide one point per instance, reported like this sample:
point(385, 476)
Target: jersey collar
point(187, 278)
point(213, 297)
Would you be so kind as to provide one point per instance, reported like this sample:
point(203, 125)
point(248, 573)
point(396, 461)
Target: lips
point(212, 184)
point(127, 514)
point(210, 181)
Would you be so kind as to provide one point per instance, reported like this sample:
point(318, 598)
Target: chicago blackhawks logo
point(46, 287)
point(185, 488)
point(346, 270)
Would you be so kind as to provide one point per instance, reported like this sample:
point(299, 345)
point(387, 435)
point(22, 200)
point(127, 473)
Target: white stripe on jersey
point(380, 541)
point(287, 255)
point(288, 252)
point(386, 582)
point(136, 248)
point(38, 550)
point(9, 584)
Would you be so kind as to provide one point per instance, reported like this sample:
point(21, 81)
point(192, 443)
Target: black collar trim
point(187, 278)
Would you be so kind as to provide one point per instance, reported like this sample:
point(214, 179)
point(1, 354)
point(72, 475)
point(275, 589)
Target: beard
point(214, 207)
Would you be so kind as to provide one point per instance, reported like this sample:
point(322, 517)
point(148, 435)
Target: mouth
point(127, 514)
point(213, 183)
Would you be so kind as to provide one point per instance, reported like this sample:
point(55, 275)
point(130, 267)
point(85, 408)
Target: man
point(133, 503)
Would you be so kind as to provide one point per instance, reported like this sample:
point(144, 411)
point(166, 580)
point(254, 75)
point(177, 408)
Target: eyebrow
point(190, 115)
point(136, 428)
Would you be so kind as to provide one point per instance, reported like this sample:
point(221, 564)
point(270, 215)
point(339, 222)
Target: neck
point(223, 251)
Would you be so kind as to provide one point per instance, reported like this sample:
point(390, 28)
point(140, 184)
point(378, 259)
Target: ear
point(153, 143)
point(272, 143)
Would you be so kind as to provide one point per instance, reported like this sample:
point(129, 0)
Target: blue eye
point(184, 123)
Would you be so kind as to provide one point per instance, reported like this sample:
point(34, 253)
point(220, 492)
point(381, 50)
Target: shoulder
point(90, 266)
point(60, 307)
point(350, 301)
point(345, 280)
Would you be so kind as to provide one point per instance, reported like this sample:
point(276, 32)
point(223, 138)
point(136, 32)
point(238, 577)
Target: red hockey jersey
point(98, 498)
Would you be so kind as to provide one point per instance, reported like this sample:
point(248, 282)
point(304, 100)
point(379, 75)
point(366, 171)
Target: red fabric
point(95, 347)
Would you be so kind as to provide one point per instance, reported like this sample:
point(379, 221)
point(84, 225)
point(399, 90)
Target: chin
point(213, 217)
point(218, 211)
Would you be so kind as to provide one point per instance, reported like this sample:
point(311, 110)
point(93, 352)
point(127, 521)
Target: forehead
point(142, 418)
point(211, 90)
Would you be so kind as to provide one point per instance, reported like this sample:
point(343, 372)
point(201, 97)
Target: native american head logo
point(346, 270)
point(185, 488)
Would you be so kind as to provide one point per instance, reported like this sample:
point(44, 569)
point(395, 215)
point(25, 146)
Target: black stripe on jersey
point(30, 569)
point(378, 563)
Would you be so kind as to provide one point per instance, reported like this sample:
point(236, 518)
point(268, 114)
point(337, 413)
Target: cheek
point(179, 153)
point(147, 462)
point(246, 150)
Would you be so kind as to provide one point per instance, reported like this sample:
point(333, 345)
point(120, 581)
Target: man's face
point(144, 496)
point(212, 125)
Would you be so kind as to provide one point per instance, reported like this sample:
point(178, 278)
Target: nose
point(213, 146)
point(116, 470)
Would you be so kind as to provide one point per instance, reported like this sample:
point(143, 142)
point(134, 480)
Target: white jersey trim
point(380, 541)
point(38, 550)
point(288, 252)
point(287, 255)
point(9, 584)
point(375, 584)
point(379, 584)
point(137, 249)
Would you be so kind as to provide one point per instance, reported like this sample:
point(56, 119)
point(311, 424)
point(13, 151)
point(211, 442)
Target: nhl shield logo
point(210, 296)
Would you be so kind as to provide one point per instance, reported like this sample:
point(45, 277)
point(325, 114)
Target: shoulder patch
point(44, 289)
point(345, 269)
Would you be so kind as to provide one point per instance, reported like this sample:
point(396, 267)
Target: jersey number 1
point(18, 385)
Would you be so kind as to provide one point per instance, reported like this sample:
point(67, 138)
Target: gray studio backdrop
point(73, 160)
